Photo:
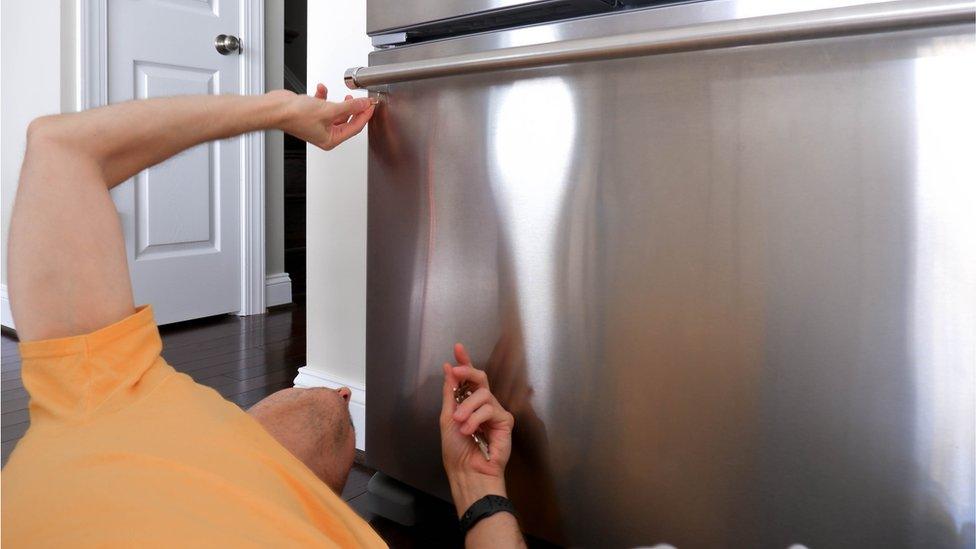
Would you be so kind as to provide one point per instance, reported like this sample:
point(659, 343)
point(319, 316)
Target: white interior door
point(181, 218)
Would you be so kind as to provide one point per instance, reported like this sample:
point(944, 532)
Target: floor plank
point(216, 370)
point(210, 351)
point(14, 417)
point(229, 387)
point(235, 356)
point(14, 383)
point(12, 364)
point(6, 448)
point(288, 358)
point(19, 392)
point(250, 398)
point(13, 373)
point(14, 404)
point(14, 432)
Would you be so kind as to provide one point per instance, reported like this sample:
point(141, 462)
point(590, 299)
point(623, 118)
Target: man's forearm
point(125, 138)
point(500, 530)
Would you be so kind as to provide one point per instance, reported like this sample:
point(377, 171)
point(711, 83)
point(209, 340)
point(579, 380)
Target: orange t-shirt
point(124, 451)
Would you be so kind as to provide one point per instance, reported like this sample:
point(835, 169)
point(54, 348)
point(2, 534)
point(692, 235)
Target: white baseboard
point(277, 289)
point(6, 317)
point(310, 377)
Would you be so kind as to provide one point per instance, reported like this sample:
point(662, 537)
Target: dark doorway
point(295, 53)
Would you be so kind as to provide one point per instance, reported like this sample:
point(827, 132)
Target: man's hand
point(320, 122)
point(471, 475)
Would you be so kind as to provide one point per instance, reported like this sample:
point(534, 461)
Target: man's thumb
point(353, 106)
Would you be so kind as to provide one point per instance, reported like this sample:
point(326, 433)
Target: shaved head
point(315, 426)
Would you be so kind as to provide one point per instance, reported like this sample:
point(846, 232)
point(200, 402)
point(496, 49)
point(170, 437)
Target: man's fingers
point(321, 92)
point(354, 126)
point(479, 416)
point(350, 107)
point(461, 354)
point(472, 375)
point(360, 109)
point(476, 400)
point(343, 119)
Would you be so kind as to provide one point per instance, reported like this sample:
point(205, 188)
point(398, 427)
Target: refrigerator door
point(729, 295)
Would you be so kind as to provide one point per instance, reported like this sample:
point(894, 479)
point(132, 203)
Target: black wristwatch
point(484, 508)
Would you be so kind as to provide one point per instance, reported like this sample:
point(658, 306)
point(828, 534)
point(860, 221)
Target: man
point(124, 451)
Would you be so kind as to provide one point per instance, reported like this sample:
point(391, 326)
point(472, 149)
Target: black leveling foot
point(394, 500)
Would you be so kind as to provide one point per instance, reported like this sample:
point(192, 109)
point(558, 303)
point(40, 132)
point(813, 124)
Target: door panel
point(198, 6)
point(181, 218)
point(175, 214)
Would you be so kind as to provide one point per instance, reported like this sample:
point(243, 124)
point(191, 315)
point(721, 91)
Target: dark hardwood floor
point(244, 359)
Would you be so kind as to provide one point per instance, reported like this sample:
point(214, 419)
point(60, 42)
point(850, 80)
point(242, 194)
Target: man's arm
point(471, 476)
point(67, 266)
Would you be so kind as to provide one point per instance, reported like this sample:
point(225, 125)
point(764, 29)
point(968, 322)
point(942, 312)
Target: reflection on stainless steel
point(730, 295)
point(943, 288)
point(525, 114)
point(717, 34)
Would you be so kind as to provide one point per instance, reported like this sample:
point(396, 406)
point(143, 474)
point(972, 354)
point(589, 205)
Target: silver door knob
point(227, 44)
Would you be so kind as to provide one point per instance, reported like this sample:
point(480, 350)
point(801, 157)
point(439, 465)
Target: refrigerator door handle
point(844, 21)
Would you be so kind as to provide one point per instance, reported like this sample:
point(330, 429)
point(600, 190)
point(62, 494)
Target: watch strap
point(484, 508)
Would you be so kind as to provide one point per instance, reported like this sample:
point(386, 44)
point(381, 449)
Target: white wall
point(336, 229)
point(70, 102)
point(31, 44)
point(274, 197)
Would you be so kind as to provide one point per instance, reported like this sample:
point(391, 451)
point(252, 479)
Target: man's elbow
point(43, 131)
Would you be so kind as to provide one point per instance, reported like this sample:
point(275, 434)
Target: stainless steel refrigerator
point(717, 257)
